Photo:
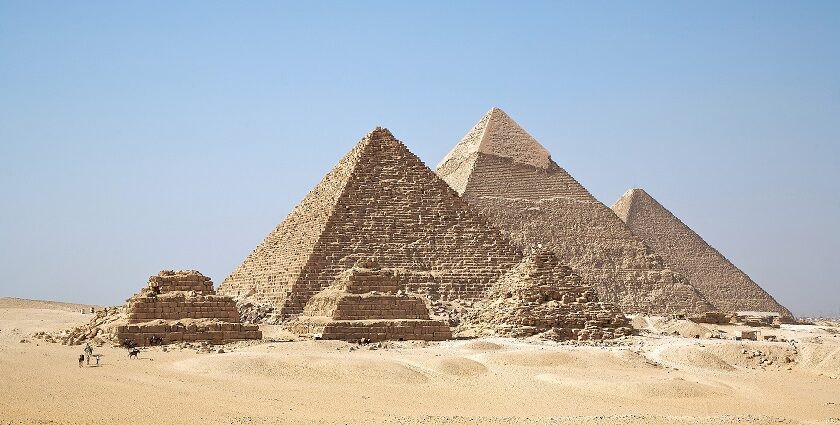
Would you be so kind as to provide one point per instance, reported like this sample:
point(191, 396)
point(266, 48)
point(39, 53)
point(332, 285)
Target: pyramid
point(506, 174)
point(541, 297)
point(380, 201)
point(366, 302)
point(179, 306)
point(723, 284)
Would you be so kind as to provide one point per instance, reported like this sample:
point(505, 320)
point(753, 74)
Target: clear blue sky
point(140, 136)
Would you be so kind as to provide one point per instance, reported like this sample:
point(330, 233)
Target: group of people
point(87, 355)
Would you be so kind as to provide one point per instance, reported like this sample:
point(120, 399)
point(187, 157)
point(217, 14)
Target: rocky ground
point(664, 375)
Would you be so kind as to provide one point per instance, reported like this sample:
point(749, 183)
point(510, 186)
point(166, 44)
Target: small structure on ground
point(541, 297)
point(746, 334)
point(759, 318)
point(181, 306)
point(365, 302)
point(713, 317)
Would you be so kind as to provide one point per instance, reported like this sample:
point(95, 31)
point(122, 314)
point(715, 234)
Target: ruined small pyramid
point(504, 172)
point(541, 297)
point(366, 302)
point(721, 282)
point(179, 306)
point(380, 201)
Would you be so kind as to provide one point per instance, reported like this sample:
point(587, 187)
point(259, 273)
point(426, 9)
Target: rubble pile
point(541, 297)
point(100, 330)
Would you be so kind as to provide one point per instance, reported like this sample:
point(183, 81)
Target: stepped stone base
point(182, 305)
point(215, 332)
point(374, 330)
point(366, 302)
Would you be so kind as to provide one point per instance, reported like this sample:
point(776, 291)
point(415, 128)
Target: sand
point(654, 378)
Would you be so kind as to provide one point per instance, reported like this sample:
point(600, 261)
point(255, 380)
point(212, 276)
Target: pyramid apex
point(379, 132)
point(634, 193)
point(497, 134)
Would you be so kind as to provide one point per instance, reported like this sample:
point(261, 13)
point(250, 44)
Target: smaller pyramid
point(721, 282)
point(366, 302)
point(541, 297)
point(181, 306)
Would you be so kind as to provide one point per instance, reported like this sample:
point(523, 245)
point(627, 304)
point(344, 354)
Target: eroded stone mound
point(366, 302)
point(541, 297)
point(101, 329)
point(181, 306)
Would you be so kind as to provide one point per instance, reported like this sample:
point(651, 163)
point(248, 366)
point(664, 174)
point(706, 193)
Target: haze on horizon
point(140, 137)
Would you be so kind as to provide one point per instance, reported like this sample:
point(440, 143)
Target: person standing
point(88, 352)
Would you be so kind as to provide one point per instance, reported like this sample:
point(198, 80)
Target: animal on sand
point(133, 353)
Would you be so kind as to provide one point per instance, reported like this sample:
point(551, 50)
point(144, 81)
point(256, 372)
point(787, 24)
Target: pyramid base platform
point(373, 330)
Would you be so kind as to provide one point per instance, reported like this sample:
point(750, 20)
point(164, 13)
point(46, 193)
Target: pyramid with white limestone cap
point(720, 281)
point(503, 171)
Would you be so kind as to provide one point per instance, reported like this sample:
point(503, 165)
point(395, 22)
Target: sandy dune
point(649, 379)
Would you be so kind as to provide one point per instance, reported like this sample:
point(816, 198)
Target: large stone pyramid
point(723, 284)
point(380, 201)
point(500, 169)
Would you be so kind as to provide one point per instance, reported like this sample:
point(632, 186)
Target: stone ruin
point(366, 303)
point(721, 282)
point(541, 297)
point(181, 306)
point(508, 176)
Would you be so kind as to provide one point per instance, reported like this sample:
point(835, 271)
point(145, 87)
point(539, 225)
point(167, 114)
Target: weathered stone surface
point(506, 174)
point(541, 297)
point(721, 282)
point(382, 201)
point(366, 302)
point(182, 306)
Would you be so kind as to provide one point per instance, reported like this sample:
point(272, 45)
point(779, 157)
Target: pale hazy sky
point(140, 136)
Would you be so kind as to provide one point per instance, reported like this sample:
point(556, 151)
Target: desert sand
point(656, 377)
